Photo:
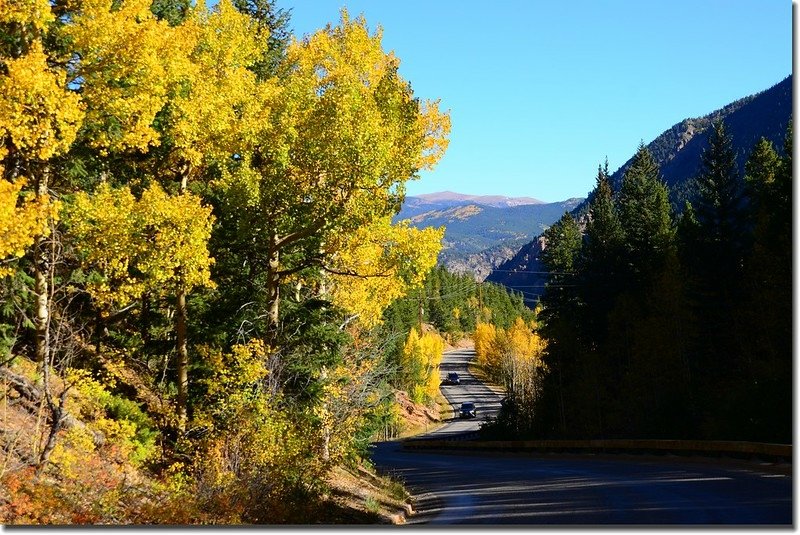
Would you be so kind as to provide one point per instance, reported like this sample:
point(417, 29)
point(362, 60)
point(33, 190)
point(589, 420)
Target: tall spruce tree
point(719, 205)
point(601, 256)
point(766, 306)
point(560, 325)
point(276, 21)
point(603, 231)
point(645, 216)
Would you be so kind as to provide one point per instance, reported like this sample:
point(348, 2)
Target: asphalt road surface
point(579, 490)
point(487, 401)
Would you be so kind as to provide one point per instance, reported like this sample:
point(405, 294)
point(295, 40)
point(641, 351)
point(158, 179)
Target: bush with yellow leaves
point(513, 358)
point(420, 361)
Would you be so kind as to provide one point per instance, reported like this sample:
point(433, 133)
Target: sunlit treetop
point(348, 131)
point(36, 13)
point(39, 116)
point(129, 62)
point(219, 106)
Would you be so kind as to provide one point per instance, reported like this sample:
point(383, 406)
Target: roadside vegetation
point(671, 325)
point(194, 271)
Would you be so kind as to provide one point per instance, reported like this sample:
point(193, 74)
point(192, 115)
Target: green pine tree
point(601, 257)
point(719, 206)
point(645, 215)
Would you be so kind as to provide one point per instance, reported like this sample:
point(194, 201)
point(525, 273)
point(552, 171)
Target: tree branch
point(354, 274)
point(300, 234)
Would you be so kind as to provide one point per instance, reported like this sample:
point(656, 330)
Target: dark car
point(452, 379)
point(468, 410)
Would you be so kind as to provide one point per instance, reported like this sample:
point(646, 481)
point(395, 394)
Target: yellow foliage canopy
point(22, 219)
point(129, 63)
point(346, 132)
point(38, 115)
point(156, 244)
point(420, 361)
point(378, 263)
point(36, 13)
point(483, 338)
point(221, 104)
point(513, 357)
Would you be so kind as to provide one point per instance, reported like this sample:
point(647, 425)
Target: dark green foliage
point(601, 259)
point(603, 230)
point(563, 245)
point(274, 20)
point(172, 11)
point(691, 336)
point(644, 214)
point(720, 203)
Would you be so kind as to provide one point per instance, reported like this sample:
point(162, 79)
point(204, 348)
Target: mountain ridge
point(452, 197)
point(478, 237)
point(678, 151)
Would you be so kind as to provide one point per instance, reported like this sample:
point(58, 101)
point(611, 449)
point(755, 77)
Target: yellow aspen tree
point(412, 365)
point(420, 361)
point(378, 263)
point(39, 119)
point(221, 103)
point(213, 117)
point(193, 76)
point(22, 219)
point(432, 349)
point(345, 135)
point(104, 227)
point(483, 338)
point(156, 244)
point(129, 63)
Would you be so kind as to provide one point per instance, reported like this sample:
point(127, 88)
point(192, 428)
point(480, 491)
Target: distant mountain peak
point(499, 201)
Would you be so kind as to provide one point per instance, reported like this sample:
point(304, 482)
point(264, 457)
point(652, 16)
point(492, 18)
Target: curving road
point(587, 490)
point(487, 401)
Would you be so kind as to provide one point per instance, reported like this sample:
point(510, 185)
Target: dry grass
point(362, 497)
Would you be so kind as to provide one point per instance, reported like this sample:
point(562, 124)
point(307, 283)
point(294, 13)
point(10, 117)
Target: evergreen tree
point(719, 206)
point(601, 254)
point(603, 231)
point(766, 307)
point(645, 215)
point(563, 244)
point(783, 195)
point(274, 20)
point(173, 11)
point(761, 169)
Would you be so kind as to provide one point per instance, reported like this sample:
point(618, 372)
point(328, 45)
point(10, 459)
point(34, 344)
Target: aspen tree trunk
point(182, 363)
point(273, 287)
point(41, 290)
point(181, 318)
point(326, 445)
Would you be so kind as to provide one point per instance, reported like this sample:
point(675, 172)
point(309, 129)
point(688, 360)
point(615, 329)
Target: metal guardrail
point(701, 447)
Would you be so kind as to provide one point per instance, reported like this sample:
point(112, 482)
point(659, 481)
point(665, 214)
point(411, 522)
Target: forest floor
point(355, 494)
point(365, 497)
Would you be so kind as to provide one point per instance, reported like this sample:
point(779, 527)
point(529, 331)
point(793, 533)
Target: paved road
point(485, 488)
point(487, 402)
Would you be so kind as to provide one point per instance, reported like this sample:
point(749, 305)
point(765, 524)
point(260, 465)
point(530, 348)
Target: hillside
point(478, 237)
point(677, 151)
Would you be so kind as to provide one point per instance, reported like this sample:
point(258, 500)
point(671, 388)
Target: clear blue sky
point(541, 91)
